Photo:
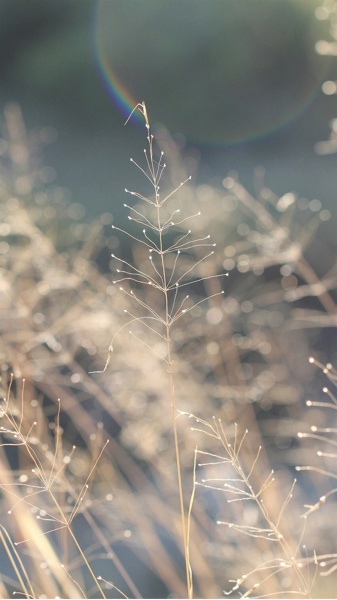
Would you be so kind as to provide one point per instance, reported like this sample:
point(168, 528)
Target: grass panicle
point(167, 243)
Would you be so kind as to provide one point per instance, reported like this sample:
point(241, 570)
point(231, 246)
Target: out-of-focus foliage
point(243, 359)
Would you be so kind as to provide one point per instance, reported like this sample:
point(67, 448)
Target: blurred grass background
point(239, 83)
point(229, 86)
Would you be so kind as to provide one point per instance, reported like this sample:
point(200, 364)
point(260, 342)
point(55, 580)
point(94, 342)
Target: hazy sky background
point(240, 81)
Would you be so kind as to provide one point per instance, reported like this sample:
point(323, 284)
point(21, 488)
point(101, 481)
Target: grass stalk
point(167, 275)
point(155, 174)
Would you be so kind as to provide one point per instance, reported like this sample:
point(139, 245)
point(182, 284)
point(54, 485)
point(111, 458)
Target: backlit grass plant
point(42, 501)
point(171, 268)
point(322, 438)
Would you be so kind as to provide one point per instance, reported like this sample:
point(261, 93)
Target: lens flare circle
point(224, 73)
